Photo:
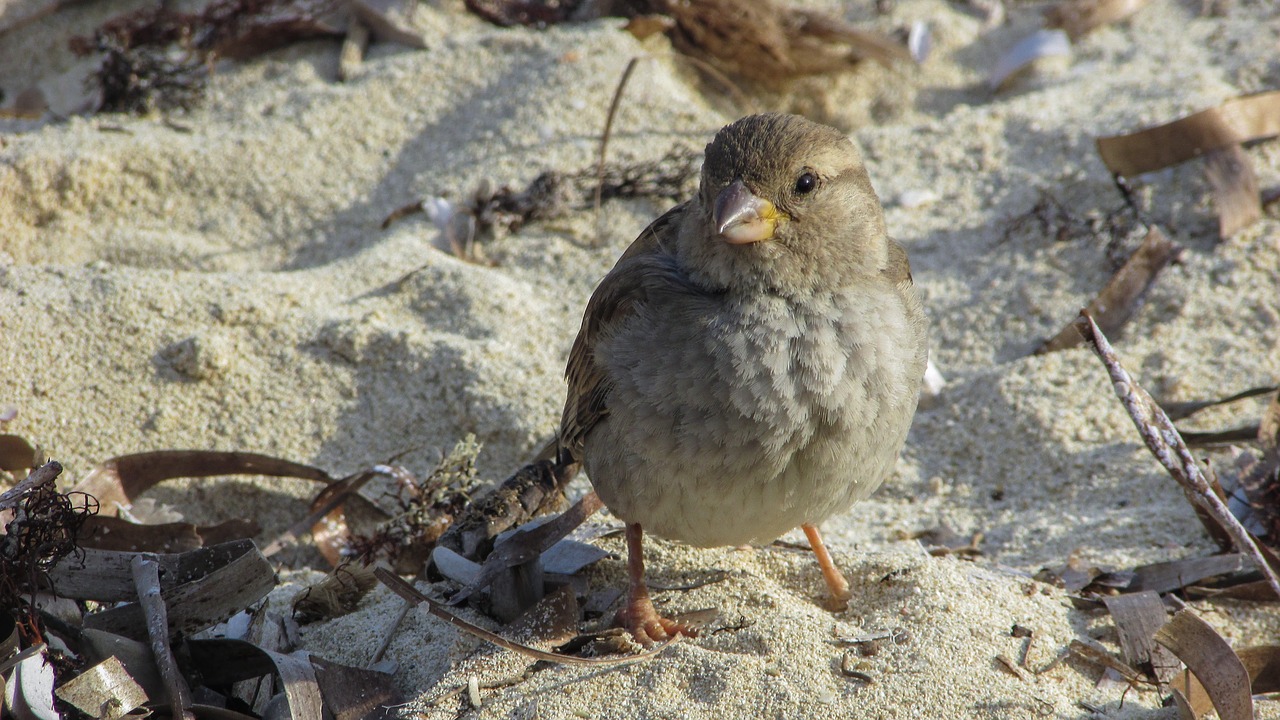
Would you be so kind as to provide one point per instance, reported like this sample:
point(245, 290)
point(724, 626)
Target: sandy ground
point(218, 279)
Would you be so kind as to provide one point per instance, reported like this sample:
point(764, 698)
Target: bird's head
point(785, 204)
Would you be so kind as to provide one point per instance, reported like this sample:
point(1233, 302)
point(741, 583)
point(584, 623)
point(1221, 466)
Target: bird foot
point(642, 620)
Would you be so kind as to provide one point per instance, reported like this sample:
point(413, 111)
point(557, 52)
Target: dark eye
point(806, 183)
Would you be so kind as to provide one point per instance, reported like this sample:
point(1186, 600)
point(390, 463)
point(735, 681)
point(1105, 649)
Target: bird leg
point(638, 616)
point(835, 580)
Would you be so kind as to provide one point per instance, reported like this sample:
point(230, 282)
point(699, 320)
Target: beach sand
point(218, 279)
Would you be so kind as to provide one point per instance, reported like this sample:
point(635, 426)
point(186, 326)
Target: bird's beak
point(743, 218)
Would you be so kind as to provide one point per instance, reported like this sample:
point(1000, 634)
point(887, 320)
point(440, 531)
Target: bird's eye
point(806, 183)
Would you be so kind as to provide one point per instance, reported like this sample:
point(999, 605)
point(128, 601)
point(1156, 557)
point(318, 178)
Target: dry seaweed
point(141, 71)
point(41, 532)
point(427, 509)
point(550, 195)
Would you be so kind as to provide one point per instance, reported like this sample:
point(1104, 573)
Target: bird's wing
point(898, 268)
point(616, 297)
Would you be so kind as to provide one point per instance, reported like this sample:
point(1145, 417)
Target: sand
point(218, 279)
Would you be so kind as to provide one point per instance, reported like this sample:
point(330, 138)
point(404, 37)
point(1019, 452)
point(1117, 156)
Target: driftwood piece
point(146, 576)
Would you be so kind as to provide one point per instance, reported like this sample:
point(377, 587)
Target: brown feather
point(587, 401)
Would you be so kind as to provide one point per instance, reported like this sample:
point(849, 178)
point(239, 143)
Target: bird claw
point(647, 627)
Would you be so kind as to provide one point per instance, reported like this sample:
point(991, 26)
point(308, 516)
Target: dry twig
point(1166, 444)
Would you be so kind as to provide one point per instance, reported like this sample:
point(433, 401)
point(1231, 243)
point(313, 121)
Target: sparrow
point(751, 363)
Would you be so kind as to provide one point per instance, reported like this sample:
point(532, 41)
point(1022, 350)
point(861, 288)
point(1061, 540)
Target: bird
point(751, 363)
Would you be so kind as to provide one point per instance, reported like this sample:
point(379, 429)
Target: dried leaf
point(1078, 17)
point(119, 480)
point(135, 656)
point(103, 575)
point(104, 691)
point(1119, 300)
point(1137, 617)
point(1217, 668)
point(200, 603)
point(1235, 189)
point(353, 693)
point(1181, 410)
point(1252, 117)
point(109, 533)
point(1174, 575)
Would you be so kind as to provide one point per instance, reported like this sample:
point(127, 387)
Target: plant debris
point(336, 595)
point(1166, 445)
point(39, 533)
point(1218, 133)
point(409, 593)
point(763, 41)
point(426, 509)
point(160, 58)
point(1216, 667)
point(1079, 17)
point(550, 195)
point(1117, 302)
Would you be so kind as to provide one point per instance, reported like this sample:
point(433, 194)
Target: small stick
point(146, 577)
point(410, 593)
point(46, 473)
point(1166, 444)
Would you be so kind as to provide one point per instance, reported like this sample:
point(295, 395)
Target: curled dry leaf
point(1120, 298)
point(1252, 117)
point(1175, 575)
point(103, 575)
point(109, 533)
point(119, 480)
point(1078, 17)
point(1216, 667)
